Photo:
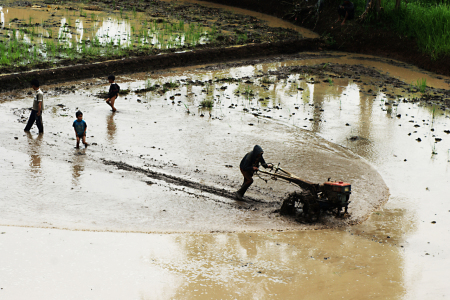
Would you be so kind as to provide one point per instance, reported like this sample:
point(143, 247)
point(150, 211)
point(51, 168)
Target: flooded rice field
point(42, 35)
point(146, 211)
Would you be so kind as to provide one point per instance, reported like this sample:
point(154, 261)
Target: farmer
point(113, 92)
point(249, 164)
point(347, 11)
point(38, 107)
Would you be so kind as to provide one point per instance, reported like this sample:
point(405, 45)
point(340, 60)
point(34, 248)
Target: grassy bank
point(427, 22)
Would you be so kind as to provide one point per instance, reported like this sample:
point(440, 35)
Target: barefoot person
point(249, 164)
point(80, 126)
point(38, 107)
point(114, 90)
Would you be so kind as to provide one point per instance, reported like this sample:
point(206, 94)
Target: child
point(113, 92)
point(249, 164)
point(38, 107)
point(80, 127)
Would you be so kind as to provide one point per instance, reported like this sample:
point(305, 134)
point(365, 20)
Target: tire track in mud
point(182, 182)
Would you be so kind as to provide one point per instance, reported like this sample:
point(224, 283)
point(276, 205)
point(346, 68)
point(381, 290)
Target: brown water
point(72, 27)
point(398, 253)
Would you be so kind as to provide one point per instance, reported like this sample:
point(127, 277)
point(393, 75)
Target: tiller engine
point(331, 196)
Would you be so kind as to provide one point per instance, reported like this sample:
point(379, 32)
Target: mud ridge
point(179, 181)
point(151, 63)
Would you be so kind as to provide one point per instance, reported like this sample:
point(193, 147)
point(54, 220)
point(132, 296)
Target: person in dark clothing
point(249, 164)
point(113, 92)
point(38, 107)
point(347, 11)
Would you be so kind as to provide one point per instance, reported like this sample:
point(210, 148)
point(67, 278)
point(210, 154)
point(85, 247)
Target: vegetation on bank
point(427, 21)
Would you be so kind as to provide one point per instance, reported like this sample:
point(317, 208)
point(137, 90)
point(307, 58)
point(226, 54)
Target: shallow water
point(81, 30)
point(398, 253)
point(51, 33)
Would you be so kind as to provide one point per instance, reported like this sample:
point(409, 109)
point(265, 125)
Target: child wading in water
point(114, 90)
point(80, 127)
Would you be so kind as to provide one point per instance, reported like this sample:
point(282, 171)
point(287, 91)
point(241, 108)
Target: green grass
point(421, 85)
point(170, 84)
point(426, 21)
point(248, 91)
point(207, 103)
point(267, 80)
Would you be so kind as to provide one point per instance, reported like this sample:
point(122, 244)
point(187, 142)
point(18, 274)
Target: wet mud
point(164, 164)
point(179, 118)
point(180, 181)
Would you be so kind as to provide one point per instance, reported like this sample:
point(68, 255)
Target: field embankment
point(417, 33)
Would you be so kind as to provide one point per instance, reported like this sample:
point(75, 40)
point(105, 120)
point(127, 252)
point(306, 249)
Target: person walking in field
point(249, 165)
point(114, 90)
point(80, 127)
point(38, 107)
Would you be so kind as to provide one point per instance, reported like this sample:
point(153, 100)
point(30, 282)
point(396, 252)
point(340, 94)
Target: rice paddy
point(32, 43)
point(44, 36)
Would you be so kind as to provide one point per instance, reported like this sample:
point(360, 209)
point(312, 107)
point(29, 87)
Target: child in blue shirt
point(80, 127)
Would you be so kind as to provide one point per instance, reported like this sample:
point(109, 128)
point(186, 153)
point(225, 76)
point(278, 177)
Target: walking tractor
point(314, 199)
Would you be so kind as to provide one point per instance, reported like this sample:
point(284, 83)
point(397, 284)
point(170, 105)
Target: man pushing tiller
point(249, 165)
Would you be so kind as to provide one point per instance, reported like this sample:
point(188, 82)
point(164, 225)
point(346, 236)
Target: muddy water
point(398, 253)
point(51, 33)
point(75, 26)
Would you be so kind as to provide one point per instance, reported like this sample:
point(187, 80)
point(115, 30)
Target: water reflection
point(297, 263)
point(246, 242)
point(78, 166)
point(2, 18)
point(111, 127)
point(76, 35)
point(34, 149)
point(117, 32)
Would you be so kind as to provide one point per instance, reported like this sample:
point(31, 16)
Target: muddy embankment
point(353, 37)
point(151, 63)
